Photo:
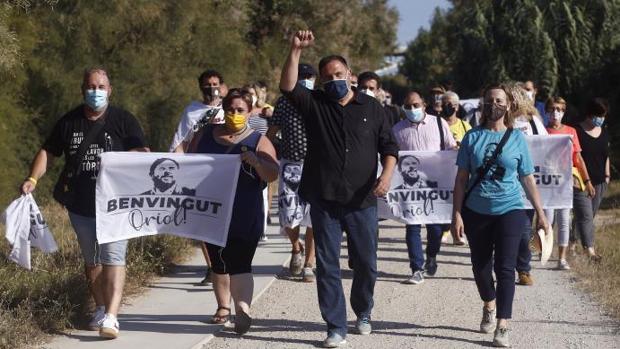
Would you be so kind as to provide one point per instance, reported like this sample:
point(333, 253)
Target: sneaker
point(488, 323)
point(334, 340)
point(563, 264)
point(297, 262)
point(308, 275)
point(595, 259)
point(97, 319)
point(263, 237)
point(362, 325)
point(207, 280)
point(525, 279)
point(430, 267)
point(500, 339)
point(416, 278)
point(109, 327)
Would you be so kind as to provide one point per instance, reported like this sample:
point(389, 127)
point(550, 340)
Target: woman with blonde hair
point(528, 121)
point(494, 164)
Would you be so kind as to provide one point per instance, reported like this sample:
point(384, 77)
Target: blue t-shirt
point(500, 190)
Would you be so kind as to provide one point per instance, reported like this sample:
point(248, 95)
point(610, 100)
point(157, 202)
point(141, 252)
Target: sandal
point(220, 319)
point(243, 321)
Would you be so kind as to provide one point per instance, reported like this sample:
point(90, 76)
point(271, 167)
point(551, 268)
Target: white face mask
point(556, 115)
point(530, 95)
point(368, 92)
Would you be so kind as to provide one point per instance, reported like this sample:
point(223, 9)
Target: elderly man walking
point(346, 130)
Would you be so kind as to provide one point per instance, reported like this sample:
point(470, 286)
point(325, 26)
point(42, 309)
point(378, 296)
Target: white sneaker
point(109, 327)
point(97, 319)
point(563, 264)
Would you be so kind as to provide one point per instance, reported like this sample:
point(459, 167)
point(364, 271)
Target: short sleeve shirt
point(500, 189)
point(567, 130)
point(459, 128)
point(121, 132)
point(294, 140)
point(192, 114)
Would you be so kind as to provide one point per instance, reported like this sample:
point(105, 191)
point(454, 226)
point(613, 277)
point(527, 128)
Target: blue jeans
point(329, 220)
point(525, 254)
point(414, 243)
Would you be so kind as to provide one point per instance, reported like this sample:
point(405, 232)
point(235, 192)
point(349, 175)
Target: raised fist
point(302, 39)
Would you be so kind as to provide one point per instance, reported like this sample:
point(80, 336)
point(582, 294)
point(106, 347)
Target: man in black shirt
point(345, 131)
point(106, 128)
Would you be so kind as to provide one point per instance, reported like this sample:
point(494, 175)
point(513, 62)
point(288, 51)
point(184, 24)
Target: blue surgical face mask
point(307, 83)
point(598, 121)
point(336, 89)
point(96, 99)
point(414, 115)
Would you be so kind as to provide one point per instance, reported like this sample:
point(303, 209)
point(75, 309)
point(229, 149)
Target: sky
point(413, 15)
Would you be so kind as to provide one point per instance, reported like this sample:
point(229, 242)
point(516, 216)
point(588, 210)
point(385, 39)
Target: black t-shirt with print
point(121, 132)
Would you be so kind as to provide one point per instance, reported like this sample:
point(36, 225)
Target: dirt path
point(444, 312)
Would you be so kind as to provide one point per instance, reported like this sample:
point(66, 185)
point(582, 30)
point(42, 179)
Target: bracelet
point(607, 176)
point(32, 179)
point(586, 181)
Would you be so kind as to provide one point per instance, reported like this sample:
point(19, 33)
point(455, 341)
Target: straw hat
point(543, 242)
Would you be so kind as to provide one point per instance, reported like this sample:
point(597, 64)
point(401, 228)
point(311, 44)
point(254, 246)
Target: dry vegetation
point(53, 296)
point(603, 280)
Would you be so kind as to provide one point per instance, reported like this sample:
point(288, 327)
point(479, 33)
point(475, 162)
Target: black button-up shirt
point(343, 142)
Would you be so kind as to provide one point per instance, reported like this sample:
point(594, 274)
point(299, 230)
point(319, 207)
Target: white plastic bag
point(25, 226)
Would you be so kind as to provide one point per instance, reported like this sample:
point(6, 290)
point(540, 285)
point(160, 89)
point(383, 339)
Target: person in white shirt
point(197, 114)
point(527, 120)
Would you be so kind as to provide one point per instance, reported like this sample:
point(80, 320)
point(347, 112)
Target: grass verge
point(603, 280)
point(54, 296)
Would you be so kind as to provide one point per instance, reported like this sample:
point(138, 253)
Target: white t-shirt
point(523, 124)
point(191, 115)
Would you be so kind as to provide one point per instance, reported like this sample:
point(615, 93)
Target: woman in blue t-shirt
point(492, 215)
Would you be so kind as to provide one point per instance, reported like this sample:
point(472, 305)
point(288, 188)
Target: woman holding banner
point(582, 186)
point(492, 162)
point(232, 264)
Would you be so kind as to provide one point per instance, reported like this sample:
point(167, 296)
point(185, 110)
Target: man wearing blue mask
point(293, 210)
point(346, 130)
point(81, 135)
point(424, 132)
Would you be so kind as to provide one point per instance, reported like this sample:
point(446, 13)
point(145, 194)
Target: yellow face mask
point(235, 121)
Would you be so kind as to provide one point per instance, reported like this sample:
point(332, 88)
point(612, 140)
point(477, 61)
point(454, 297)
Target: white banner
point(188, 195)
point(553, 162)
point(421, 189)
point(422, 185)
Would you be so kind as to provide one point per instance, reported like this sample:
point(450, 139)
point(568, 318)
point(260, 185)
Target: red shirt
point(567, 130)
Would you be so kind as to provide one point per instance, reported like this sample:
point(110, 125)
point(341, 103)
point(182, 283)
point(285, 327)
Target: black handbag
point(64, 191)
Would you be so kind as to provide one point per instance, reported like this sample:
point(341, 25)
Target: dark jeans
point(499, 236)
point(525, 254)
point(584, 211)
point(328, 221)
point(414, 243)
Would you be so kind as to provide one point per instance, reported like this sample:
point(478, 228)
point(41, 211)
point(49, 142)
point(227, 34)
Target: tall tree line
point(570, 48)
point(154, 50)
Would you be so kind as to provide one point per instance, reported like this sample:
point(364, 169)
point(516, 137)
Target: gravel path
point(443, 312)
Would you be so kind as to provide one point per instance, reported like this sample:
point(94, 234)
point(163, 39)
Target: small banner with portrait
point(421, 191)
point(422, 188)
point(293, 210)
point(188, 195)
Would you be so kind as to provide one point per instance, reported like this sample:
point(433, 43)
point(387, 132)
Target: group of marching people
point(329, 142)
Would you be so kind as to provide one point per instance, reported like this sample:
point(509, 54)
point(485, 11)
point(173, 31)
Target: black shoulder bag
point(441, 139)
point(482, 171)
point(63, 190)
